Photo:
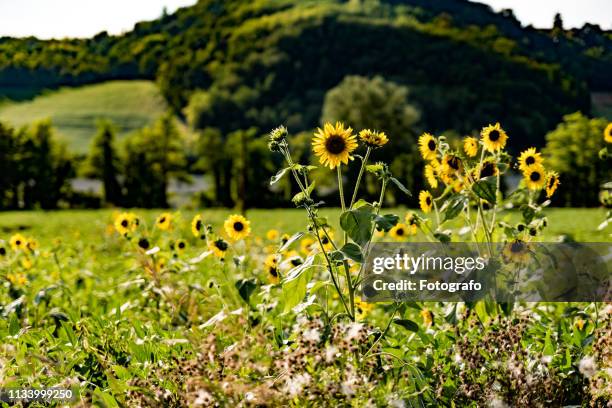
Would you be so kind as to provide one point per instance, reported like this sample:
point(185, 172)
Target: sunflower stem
point(363, 165)
point(341, 188)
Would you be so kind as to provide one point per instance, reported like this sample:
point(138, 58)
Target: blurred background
point(167, 103)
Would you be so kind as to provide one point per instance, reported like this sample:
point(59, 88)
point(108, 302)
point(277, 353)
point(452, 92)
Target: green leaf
point(352, 251)
point(279, 175)
point(399, 185)
point(358, 224)
point(290, 241)
point(454, 206)
point(486, 189)
point(386, 222)
point(294, 285)
point(442, 237)
point(246, 287)
point(407, 324)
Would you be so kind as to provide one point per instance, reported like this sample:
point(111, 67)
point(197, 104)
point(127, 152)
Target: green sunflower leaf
point(399, 185)
point(279, 175)
point(290, 241)
point(454, 206)
point(486, 189)
point(358, 224)
point(386, 222)
point(352, 251)
point(407, 324)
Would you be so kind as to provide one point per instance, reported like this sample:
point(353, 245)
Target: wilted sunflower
point(373, 138)
point(164, 221)
point(552, 182)
point(197, 227)
point(271, 268)
point(493, 137)
point(425, 201)
point(413, 222)
point(516, 251)
point(488, 169)
point(470, 146)
point(608, 133)
point(219, 247)
point(530, 158)
point(430, 175)
point(399, 231)
point(18, 242)
point(428, 146)
point(535, 178)
point(451, 164)
point(334, 144)
point(272, 235)
point(237, 227)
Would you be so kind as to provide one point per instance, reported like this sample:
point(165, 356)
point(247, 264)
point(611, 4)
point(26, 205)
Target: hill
point(75, 111)
point(274, 60)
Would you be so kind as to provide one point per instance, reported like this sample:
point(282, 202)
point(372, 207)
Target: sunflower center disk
point(431, 145)
point(238, 226)
point(535, 176)
point(335, 144)
point(530, 160)
point(494, 135)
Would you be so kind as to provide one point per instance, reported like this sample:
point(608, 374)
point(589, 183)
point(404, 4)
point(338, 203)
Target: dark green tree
point(104, 164)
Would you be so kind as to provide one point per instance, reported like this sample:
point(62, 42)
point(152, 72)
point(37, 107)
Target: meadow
point(169, 323)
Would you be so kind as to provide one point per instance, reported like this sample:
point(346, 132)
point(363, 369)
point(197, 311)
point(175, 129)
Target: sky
point(85, 18)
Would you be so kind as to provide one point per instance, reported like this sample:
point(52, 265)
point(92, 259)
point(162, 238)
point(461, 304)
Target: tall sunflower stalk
point(334, 146)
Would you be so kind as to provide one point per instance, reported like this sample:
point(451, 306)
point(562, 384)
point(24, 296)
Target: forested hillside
point(266, 62)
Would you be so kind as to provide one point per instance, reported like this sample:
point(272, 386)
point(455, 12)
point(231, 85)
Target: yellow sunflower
point(470, 146)
point(493, 137)
point(430, 175)
point(608, 133)
point(399, 232)
point(552, 182)
point(164, 221)
point(181, 246)
point(535, 178)
point(488, 169)
point(412, 222)
point(125, 223)
point(516, 251)
point(334, 144)
point(425, 201)
point(18, 242)
point(451, 164)
point(327, 240)
point(219, 247)
point(17, 279)
point(530, 158)
point(237, 227)
point(427, 316)
point(271, 268)
point(306, 245)
point(272, 235)
point(362, 308)
point(373, 138)
point(197, 227)
point(428, 146)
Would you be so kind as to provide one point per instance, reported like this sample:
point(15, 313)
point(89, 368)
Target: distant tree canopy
point(572, 150)
point(104, 162)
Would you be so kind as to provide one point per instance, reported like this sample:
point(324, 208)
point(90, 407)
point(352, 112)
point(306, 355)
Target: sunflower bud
point(279, 134)
point(274, 146)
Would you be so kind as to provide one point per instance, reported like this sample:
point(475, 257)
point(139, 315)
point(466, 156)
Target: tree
point(572, 150)
point(558, 22)
point(104, 164)
point(383, 105)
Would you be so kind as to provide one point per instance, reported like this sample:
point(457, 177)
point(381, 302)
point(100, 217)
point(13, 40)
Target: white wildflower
point(587, 367)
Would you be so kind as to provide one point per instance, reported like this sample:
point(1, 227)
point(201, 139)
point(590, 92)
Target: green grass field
point(75, 111)
point(578, 223)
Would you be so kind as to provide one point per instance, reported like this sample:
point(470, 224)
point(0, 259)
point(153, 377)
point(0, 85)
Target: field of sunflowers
point(133, 308)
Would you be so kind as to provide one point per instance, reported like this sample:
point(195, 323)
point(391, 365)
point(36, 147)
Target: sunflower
point(272, 235)
point(399, 232)
point(164, 221)
point(237, 227)
point(428, 146)
point(412, 221)
point(31, 244)
point(608, 133)
point(271, 268)
point(306, 245)
point(144, 243)
point(488, 169)
point(451, 164)
point(2, 251)
point(18, 242)
point(516, 251)
point(530, 158)
point(425, 201)
point(197, 227)
point(333, 144)
point(430, 175)
point(219, 247)
point(327, 240)
point(470, 146)
point(180, 246)
point(427, 316)
point(552, 182)
point(284, 239)
point(494, 137)
point(362, 308)
point(373, 138)
point(17, 279)
point(535, 178)
point(125, 223)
